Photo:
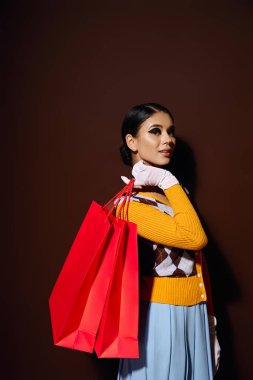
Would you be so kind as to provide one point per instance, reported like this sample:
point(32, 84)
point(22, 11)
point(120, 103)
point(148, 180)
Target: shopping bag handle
point(127, 192)
point(125, 203)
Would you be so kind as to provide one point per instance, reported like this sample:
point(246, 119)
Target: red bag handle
point(127, 190)
point(125, 203)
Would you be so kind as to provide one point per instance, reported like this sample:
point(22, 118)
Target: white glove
point(146, 175)
point(215, 346)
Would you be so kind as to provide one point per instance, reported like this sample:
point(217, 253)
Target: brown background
point(70, 71)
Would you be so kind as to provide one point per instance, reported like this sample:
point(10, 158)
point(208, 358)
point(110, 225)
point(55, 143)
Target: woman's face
point(155, 140)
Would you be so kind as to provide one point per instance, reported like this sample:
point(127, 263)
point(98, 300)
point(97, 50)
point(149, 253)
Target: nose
point(168, 139)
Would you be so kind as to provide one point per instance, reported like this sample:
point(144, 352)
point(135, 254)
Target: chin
point(159, 163)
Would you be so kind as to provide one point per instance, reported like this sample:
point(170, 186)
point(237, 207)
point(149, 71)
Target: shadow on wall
point(107, 368)
point(183, 166)
point(225, 289)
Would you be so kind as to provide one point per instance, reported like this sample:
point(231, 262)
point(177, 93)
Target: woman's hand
point(147, 175)
point(215, 346)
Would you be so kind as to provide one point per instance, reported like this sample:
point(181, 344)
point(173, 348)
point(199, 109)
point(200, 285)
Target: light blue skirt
point(174, 344)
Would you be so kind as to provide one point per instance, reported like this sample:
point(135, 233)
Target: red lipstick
point(166, 152)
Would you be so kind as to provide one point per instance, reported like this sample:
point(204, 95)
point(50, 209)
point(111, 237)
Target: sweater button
point(202, 296)
point(199, 275)
point(200, 284)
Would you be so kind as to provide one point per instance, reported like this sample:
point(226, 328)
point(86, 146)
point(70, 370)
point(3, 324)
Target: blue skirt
point(174, 344)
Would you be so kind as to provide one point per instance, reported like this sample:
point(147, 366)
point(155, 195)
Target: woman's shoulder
point(153, 200)
point(152, 194)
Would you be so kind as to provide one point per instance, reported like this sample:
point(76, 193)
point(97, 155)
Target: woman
point(174, 328)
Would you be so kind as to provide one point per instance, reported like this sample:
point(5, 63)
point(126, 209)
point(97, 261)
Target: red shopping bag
point(78, 297)
point(118, 330)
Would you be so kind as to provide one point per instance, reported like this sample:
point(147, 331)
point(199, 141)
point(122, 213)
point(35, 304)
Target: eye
point(171, 131)
point(155, 131)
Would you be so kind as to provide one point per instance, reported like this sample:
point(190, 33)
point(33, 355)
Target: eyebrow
point(161, 126)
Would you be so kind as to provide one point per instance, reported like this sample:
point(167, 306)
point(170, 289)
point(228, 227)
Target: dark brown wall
point(70, 72)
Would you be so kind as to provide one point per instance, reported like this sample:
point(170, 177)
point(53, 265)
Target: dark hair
point(131, 124)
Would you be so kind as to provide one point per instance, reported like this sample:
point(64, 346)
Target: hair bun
point(126, 155)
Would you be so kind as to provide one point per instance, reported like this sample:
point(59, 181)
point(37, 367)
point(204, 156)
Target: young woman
point(174, 328)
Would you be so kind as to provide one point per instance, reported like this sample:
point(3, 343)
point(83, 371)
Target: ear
point(131, 143)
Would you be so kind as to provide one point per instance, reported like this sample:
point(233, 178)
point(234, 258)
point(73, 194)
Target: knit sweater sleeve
point(183, 230)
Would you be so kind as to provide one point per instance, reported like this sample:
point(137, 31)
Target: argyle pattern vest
point(160, 260)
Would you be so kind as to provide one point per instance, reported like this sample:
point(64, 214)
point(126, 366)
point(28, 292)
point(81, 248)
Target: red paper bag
point(118, 330)
point(78, 297)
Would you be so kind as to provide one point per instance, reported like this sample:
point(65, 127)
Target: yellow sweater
point(183, 230)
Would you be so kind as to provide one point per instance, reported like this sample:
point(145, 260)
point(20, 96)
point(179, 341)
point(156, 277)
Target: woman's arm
point(183, 230)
